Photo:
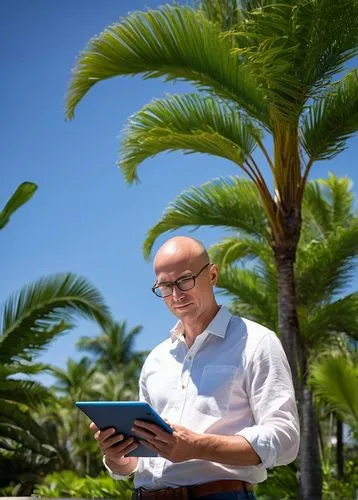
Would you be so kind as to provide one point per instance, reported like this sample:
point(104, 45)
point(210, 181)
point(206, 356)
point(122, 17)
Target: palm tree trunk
point(287, 309)
point(339, 448)
point(311, 471)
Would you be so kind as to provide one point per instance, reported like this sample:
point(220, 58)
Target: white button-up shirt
point(234, 380)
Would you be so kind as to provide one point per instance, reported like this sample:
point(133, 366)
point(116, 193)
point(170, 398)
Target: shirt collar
point(217, 326)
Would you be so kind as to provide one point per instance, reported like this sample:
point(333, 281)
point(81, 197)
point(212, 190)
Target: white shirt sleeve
point(275, 435)
point(118, 477)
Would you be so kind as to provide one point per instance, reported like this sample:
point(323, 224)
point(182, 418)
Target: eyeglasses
point(184, 284)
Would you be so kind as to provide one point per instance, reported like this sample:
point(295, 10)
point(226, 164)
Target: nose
point(177, 293)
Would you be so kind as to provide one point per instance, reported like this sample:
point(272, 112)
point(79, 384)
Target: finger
point(138, 431)
point(121, 451)
point(148, 430)
point(111, 441)
point(93, 427)
point(102, 435)
point(148, 426)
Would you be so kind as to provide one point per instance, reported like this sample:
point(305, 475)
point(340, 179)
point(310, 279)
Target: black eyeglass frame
point(177, 283)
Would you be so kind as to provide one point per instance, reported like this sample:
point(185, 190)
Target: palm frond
point(325, 267)
point(15, 435)
point(12, 415)
point(267, 42)
point(27, 392)
point(15, 368)
point(92, 345)
point(191, 123)
point(331, 320)
point(328, 34)
point(232, 202)
point(331, 120)
point(252, 299)
point(294, 48)
point(23, 193)
point(74, 381)
point(316, 212)
point(229, 250)
point(334, 380)
point(113, 347)
point(327, 204)
point(225, 14)
point(340, 195)
point(174, 43)
point(39, 311)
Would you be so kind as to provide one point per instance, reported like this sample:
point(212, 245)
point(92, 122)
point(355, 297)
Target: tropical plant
point(74, 382)
point(67, 484)
point(334, 379)
point(30, 320)
point(23, 193)
point(273, 71)
point(114, 346)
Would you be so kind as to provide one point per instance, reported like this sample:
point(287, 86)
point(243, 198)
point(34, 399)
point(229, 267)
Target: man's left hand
point(179, 446)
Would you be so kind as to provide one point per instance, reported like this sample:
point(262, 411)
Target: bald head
point(183, 269)
point(180, 250)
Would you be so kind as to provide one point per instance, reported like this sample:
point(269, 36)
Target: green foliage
point(334, 379)
point(231, 203)
point(23, 193)
point(171, 42)
point(67, 484)
point(30, 319)
point(330, 121)
point(192, 123)
point(344, 489)
point(114, 347)
point(282, 483)
point(43, 309)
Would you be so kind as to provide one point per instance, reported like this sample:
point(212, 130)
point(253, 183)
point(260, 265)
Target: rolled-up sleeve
point(275, 435)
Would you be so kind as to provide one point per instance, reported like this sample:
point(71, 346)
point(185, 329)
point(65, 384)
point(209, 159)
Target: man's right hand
point(115, 448)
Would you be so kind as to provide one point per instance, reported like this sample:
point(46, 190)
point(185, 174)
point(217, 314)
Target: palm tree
point(275, 73)
point(30, 320)
point(114, 346)
point(325, 261)
point(74, 382)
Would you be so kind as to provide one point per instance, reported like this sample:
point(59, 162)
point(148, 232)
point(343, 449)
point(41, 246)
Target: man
point(222, 382)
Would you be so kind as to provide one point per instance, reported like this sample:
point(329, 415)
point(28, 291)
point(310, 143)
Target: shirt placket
point(184, 385)
point(158, 464)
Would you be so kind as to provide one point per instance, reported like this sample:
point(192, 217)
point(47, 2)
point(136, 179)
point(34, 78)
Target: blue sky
point(84, 218)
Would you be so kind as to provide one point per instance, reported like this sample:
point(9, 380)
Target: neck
point(194, 327)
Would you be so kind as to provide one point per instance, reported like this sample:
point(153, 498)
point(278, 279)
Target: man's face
point(193, 303)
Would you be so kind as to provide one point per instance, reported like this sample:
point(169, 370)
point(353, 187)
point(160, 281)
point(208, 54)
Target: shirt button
point(190, 357)
point(183, 386)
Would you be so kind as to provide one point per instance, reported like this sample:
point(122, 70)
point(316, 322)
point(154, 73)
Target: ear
point(214, 274)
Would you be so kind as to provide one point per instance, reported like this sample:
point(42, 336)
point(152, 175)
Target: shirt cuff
point(261, 444)
point(118, 477)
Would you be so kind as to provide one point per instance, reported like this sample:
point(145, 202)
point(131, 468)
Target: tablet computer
point(121, 416)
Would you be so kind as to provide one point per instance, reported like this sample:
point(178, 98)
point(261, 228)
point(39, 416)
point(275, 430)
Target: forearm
point(230, 450)
point(124, 469)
